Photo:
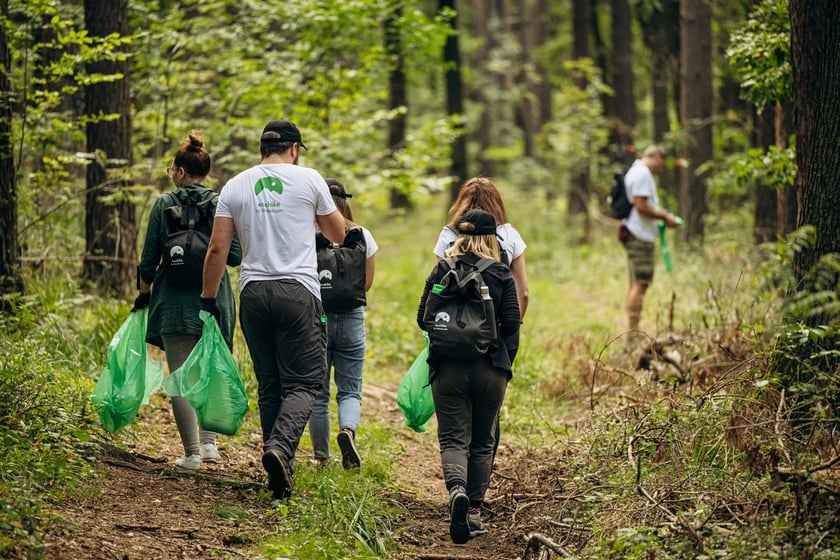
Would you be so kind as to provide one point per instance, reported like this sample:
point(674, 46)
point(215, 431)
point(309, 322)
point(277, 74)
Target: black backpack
point(188, 229)
point(341, 271)
point(506, 260)
point(617, 199)
point(461, 324)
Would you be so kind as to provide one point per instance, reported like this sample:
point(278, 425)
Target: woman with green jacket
point(174, 301)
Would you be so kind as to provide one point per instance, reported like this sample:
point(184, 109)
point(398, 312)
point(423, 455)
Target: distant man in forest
point(638, 230)
point(274, 206)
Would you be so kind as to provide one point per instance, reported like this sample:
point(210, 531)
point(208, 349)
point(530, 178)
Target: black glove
point(209, 305)
point(142, 301)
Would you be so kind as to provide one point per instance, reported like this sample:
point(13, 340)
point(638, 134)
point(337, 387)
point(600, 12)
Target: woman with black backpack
point(171, 288)
point(468, 394)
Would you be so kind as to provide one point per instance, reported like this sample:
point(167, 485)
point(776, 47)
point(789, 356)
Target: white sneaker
point(210, 453)
point(189, 462)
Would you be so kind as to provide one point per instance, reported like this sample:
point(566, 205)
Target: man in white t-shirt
point(274, 206)
point(639, 229)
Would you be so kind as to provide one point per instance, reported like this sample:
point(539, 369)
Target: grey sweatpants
point(178, 348)
point(468, 397)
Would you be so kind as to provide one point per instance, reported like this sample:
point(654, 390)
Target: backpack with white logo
point(188, 229)
point(460, 322)
point(341, 271)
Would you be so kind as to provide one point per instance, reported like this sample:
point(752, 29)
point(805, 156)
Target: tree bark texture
point(660, 26)
point(10, 278)
point(764, 229)
point(581, 187)
point(110, 228)
point(787, 205)
point(623, 111)
point(696, 78)
point(397, 101)
point(455, 102)
point(815, 44)
point(483, 128)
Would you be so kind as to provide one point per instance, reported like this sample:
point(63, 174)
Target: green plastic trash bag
point(209, 380)
point(129, 377)
point(414, 395)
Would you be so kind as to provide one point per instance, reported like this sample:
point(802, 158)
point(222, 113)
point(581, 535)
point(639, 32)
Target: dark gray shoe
point(476, 526)
point(349, 455)
point(279, 474)
point(459, 507)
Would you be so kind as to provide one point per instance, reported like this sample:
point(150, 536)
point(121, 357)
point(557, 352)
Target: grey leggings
point(178, 347)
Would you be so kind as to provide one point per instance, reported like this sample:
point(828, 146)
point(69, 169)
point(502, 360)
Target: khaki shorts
point(639, 259)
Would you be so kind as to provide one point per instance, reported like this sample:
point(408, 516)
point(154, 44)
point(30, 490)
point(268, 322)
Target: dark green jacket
point(174, 308)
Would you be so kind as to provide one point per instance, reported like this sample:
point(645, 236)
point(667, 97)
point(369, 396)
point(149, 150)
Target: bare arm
point(640, 203)
point(217, 252)
point(332, 226)
point(520, 275)
point(370, 269)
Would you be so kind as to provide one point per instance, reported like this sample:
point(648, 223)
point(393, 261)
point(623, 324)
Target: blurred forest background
point(403, 100)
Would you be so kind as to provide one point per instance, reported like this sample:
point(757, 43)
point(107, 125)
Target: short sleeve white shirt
point(510, 241)
point(273, 208)
point(639, 181)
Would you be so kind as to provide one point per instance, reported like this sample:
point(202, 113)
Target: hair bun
point(196, 142)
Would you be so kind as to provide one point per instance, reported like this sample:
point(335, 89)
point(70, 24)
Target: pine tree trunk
point(815, 42)
point(110, 228)
point(696, 78)
point(10, 278)
point(581, 187)
point(455, 102)
point(623, 111)
point(397, 99)
point(764, 230)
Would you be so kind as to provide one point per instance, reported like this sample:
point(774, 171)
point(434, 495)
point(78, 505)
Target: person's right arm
point(640, 203)
point(520, 276)
point(332, 226)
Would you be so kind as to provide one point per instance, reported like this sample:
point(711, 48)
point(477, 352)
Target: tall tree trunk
point(623, 107)
point(764, 230)
point(543, 86)
point(660, 25)
point(696, 78)
point(525, 25)
point(581, 179)
point(815, 42)
point(787, 206)
point(10, 279)
point(455, 102)
point(397, 101)
point(110, 228)
point(483, 128)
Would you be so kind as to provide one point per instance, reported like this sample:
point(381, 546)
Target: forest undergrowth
point(707, 437)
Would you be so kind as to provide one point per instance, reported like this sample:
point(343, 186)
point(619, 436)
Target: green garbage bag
point(414, 395)
point(129, 377)
point(209, 380)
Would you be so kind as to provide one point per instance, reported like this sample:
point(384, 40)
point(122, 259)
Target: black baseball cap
point(281, 130)
point(336, 183)
point(483, 223)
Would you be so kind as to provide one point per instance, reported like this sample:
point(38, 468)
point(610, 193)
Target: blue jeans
point(346, 360)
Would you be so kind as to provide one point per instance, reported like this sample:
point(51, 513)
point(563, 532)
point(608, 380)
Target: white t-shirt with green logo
point(273, 207)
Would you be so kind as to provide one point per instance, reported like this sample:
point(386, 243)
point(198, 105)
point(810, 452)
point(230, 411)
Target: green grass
point(575, 324)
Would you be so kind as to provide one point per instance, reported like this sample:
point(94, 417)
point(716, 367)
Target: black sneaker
point(349, 456)
point(459, 508)
point(279, 474)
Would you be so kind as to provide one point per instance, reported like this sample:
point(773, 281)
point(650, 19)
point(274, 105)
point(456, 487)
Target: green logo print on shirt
point(272, 184)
